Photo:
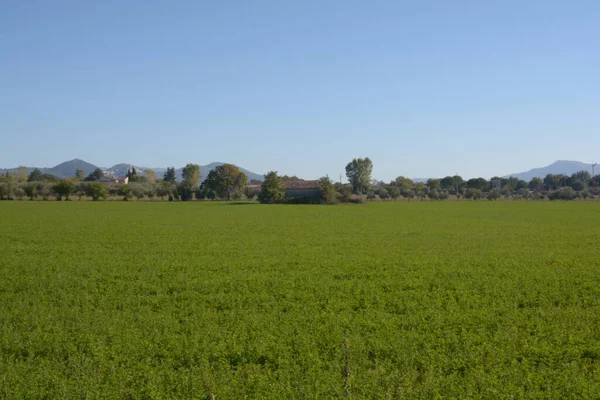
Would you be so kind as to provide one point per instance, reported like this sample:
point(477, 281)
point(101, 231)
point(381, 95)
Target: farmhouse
point(298, 189)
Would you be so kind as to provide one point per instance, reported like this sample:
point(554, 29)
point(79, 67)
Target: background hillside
point(557, 167)
point(67, 169)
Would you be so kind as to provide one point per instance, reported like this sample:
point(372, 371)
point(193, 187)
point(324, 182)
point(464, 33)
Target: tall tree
point(272, 189)
point(191, 175)
point(189, 184)
point(150, 175)
point(22, 174)
point(359, 172)
point(35, 176)
point(227, 180)
point(79, 174)
point(169, 175)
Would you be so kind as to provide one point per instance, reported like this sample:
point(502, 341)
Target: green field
point(379, 301)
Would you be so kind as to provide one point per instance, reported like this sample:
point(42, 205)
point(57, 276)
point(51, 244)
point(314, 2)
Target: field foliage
point(379, 301)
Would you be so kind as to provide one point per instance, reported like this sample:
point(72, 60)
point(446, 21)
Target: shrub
point(358, 199)
point(96, 190)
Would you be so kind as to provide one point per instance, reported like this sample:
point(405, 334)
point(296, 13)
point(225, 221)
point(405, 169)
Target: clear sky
point(423, 88)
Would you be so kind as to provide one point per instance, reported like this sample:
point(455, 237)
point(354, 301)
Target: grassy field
point(380, 301)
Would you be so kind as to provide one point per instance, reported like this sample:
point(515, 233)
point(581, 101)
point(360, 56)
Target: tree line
point(228, 182)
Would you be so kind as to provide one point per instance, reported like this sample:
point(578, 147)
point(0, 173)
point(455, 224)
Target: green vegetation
point(383, 300)
point(228, 182)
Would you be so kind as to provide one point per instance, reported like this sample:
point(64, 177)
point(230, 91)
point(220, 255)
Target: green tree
point(404, 183)
point(31, 190)
point(409, 194)
point(80, 189)
point(383, 194)
point(520, 184)
point(359, 172)
point(394, 192)
point(150, 190)
point(474, 194)
point(493, 194)
point(191, 175)
point(555, 181)
point(447, 183)
point(22, 174)
point(35, 176)
point(44, 189)
point(164, 188)
point(190, 179)
point(132, 175)
point(326, 191)
point(227, 180)
point(49, 178)
point(433, 184)
point(272, 189)
point(169, 175)
point(138, 190)
point(4, 190)
point(344, 192)
point(535, 183)
point(478, 183)
point(79, 174)
point(64, 188)
point(19, 192)
point(95, 176)
point(96, 190)
point(150, 175)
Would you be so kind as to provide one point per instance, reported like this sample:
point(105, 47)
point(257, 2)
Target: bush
point(327, 194)
point(344, 192)
point(138, 190)
point(563, 194)
point(493, 195)
point(383, 194)
point(96, 190)
point(125, 191)
point(31, 190)
point(358, 199)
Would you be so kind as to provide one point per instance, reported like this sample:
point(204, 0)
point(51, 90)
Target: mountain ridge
point(67, 169)
point(566, 167)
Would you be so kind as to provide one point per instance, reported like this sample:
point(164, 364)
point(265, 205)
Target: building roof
point(301, 184)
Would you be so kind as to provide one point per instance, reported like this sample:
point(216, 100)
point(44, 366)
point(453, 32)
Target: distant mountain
point(67, 170)
point(120, 170)
point(63, 170)
point(557, 167)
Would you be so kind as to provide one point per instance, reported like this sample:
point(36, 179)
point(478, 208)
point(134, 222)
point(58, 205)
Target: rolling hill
point(557, 167)
point(67, 170)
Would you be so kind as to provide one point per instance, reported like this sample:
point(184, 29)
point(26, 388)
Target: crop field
point(424, 300)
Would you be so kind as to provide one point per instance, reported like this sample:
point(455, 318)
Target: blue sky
point(423, 88)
